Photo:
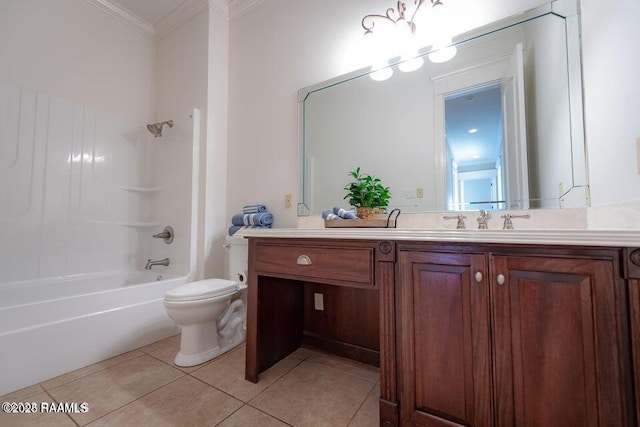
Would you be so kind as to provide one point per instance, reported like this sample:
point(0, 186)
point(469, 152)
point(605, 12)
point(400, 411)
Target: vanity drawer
point(339, 265)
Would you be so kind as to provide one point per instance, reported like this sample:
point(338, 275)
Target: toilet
point(211, 313)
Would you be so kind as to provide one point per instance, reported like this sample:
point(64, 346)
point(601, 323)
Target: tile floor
point(144, 388)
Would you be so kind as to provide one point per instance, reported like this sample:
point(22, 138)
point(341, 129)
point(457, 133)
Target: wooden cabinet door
point(444, 358)
point(558, 342)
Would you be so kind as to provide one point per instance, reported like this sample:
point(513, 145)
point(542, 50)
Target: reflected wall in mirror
point(499, 126)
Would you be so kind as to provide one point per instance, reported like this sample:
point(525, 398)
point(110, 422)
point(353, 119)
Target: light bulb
point(409, 65)
point(443, 54)
point(409, 59)
point(380, 74)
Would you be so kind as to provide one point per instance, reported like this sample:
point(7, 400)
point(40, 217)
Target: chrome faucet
point(508, 224)
point(482, 219)
point(460, 218)
point(150, 263)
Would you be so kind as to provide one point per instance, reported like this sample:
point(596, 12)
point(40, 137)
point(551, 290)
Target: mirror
point(499, 126)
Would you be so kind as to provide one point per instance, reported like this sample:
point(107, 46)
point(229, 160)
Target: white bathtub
point(77, 321)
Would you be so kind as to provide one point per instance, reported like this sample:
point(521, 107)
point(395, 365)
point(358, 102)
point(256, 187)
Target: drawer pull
point(303, 260)
point(479, 276)
point(500, 279)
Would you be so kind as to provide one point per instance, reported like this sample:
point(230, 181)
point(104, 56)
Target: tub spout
point(150, 263)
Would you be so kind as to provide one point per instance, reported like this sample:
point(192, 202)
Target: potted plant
point(367, 194)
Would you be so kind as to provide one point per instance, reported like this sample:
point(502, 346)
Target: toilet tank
point(236, 255)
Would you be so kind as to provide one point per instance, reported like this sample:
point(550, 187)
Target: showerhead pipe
point(156, 128)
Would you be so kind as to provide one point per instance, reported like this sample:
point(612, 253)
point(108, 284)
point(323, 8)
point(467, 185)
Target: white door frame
point(479, 75)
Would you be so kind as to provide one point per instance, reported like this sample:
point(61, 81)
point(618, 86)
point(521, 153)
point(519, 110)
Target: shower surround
point(81, 194)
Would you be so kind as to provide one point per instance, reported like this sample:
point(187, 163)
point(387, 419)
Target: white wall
point(277, 48)
point(75, 51)
point(612, 98)
point(182, 79)
point(215, 218)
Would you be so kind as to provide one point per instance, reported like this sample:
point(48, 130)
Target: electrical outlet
point(318, 302)
point(420, 193)
point(287, 201)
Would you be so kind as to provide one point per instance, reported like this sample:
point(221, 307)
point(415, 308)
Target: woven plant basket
point(368, 213)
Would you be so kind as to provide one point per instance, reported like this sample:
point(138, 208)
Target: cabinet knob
point(500, 279)
point(303, 260)
point(478, 276)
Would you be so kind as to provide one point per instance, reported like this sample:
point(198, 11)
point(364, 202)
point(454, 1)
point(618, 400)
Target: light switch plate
point(318, 301)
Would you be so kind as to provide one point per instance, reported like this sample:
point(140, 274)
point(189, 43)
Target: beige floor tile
point(150, 348)
point(369, 413)
point(36, 419)
point(248, 416)
point(314, 395)
point(116, 386)
point(22, 394)
point(227, 374)
point(303, 353)
point(360, 370)
point(185, 402)
point(87, 370)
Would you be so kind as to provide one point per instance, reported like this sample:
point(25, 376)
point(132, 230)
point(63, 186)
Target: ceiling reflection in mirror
point(499, 126)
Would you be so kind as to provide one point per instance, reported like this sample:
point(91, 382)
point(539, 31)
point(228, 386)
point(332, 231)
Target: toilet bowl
point(211, 313)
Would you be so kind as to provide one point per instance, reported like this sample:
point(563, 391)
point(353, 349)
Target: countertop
point(580, 237)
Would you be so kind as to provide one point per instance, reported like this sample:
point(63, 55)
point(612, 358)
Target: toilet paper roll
point(242, 277)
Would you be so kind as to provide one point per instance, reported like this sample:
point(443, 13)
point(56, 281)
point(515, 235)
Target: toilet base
point(187, 360)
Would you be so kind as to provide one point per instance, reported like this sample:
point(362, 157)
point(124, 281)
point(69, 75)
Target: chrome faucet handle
point(508, 224)
point(167, 235)
point(482, 219)
point(460, 218)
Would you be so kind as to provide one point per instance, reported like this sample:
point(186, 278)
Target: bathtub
point(77, 321)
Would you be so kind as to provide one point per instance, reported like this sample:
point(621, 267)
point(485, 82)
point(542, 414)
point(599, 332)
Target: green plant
point(366, 191)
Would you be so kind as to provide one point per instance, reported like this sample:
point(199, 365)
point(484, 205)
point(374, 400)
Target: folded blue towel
point(344, 214)
point(329, 216)
point(249, 209)
point(234, 228)
point(263, 218)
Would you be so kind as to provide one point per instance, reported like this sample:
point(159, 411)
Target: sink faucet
point(508, 224)
point(482, 219)
point(150, 263)
point(460, 218)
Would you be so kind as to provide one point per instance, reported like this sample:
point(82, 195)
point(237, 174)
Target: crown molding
point(238, 8)
point(228, 9)
point(126, 16)
point(221, 7)
point(187, 10)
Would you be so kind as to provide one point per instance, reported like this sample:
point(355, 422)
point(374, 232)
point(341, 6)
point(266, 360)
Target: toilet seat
point(202, 289)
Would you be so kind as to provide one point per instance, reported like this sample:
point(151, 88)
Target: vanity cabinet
point(512, 336)
point(465, 334)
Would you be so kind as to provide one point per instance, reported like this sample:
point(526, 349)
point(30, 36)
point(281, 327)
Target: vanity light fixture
point(402, 37)
point(368, 22)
